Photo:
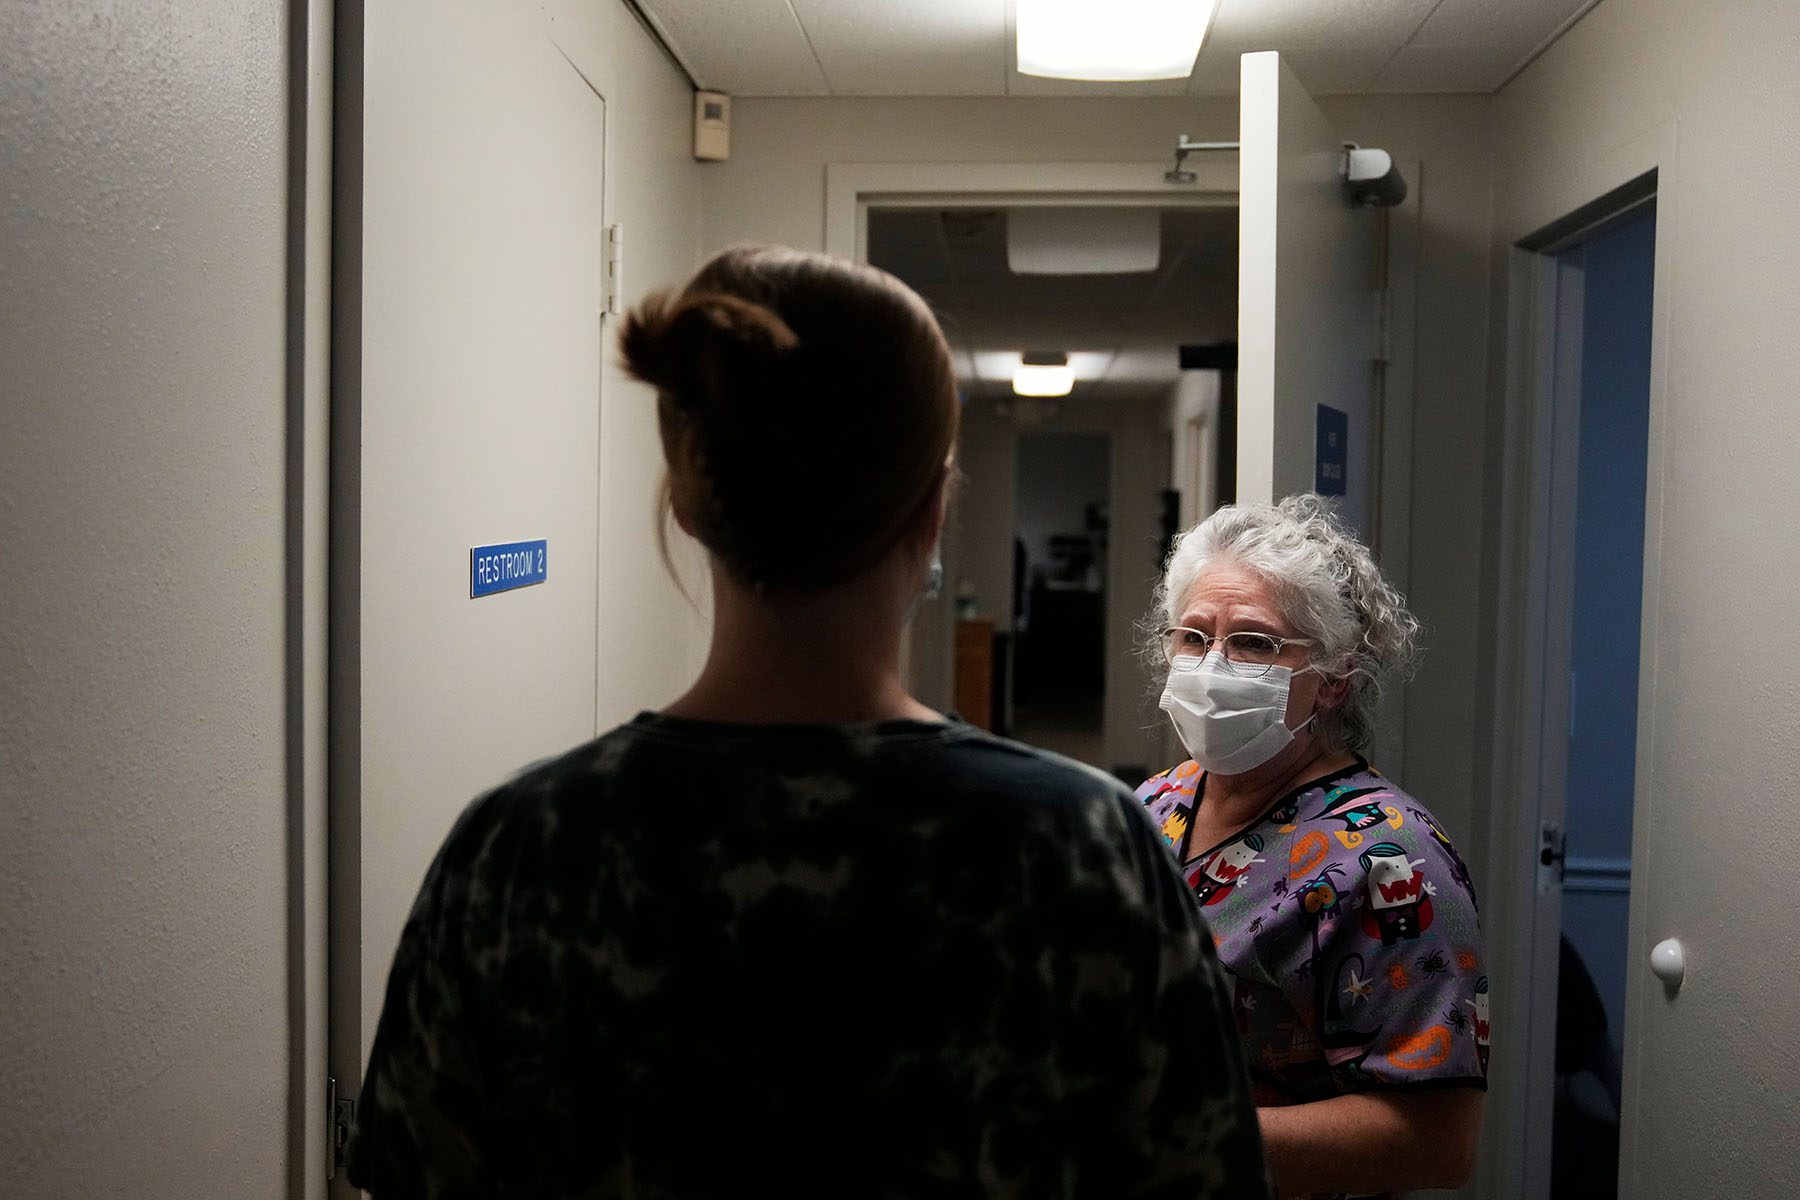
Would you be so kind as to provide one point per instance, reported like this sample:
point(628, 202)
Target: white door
point(471, 420)
point(1309, 271)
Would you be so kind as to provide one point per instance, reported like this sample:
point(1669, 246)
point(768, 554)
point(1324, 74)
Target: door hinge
point(612, 285)
point(340, 1117)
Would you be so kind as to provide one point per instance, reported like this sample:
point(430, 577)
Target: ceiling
point(1122, 331)
point(964, 47)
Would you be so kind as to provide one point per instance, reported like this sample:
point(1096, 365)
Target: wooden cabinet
point(974, 693)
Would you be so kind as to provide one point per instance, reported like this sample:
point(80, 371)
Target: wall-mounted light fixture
point(1117, 41)
point(1043, 373)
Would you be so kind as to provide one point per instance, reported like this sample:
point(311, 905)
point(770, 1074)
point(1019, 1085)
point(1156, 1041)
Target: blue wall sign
point(505, 567)
point(1333, 457)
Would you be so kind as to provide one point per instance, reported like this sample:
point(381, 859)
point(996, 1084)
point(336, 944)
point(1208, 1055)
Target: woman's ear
point(1332, 692)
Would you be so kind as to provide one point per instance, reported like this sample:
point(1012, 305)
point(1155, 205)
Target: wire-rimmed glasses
point(1246, 652)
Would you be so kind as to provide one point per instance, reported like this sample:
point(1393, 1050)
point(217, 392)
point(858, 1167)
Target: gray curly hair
point(1326, 584)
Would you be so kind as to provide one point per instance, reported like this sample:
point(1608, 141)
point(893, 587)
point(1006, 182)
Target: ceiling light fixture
point(1041, 373)
point(1083, 241)
point(1118, 41)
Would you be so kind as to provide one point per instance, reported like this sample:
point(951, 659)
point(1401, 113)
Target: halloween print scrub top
point(901, 959)
point(1348, 924)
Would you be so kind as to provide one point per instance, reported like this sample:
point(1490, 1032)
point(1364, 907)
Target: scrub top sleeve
point(1396, 970)
point(1168, 801)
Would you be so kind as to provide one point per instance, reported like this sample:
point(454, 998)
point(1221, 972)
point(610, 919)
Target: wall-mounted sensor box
point(712, 126)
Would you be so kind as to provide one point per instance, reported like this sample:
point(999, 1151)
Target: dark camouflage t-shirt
point(898, 959)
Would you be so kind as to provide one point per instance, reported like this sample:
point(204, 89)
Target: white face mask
point(1229, 723)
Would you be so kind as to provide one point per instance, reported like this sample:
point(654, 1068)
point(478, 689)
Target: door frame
point(853, 188)
point(1532, 586)
point(311, 156)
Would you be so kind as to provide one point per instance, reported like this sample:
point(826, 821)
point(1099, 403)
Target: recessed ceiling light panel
point(1111, 41)
point(1083, 241)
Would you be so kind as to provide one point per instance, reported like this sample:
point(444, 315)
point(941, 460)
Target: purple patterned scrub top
point(1348, 923)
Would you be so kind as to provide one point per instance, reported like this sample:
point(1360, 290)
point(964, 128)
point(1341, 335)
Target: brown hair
point(807, 406)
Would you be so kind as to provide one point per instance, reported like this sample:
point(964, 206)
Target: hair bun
point(806, 405)
point(691, 347)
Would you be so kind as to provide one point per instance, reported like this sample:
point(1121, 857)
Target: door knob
point(1668, 963)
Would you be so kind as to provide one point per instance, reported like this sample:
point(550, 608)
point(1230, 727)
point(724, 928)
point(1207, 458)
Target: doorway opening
point(1604, 292)
point(1060, 525)
point(1066, 502)
point(1574, 652)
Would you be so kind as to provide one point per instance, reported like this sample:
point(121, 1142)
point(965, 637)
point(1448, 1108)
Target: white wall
point(1710, 92)
point(773, 189)
point(144, 918)
point(141, 623)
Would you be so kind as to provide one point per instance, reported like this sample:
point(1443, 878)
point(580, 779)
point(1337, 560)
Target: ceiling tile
point(1519, 25)
point(1476, 45)
point(1337, 70)
point(1290, 24)
point(1322, 71)
point(1333, 46)
point(909, 47)
point(1448, 69)
point(1217, 71)
point(746, 47)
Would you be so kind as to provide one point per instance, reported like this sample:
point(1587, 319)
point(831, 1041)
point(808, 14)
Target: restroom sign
point(1333, 456)
point(505, 567)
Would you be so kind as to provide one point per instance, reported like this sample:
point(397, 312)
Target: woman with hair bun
point(1340, 908)
point(797, 934)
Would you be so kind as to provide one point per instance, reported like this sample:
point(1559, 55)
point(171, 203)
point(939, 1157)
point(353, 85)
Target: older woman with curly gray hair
point(1343, 912)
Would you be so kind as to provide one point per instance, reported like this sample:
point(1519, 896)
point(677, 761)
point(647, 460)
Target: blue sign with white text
point(1333, 457)
point(505, 567)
